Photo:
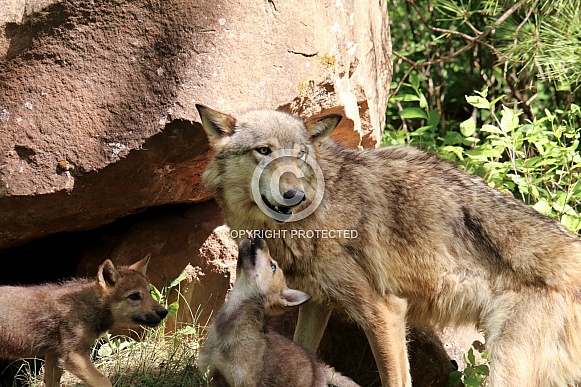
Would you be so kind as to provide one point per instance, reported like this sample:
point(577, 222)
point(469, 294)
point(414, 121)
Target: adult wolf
point(434, 245)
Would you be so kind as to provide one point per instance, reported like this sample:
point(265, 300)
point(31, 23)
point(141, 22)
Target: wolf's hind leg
point(512, 365)
point(528, 339)
point(311, 324)
point(52, 372)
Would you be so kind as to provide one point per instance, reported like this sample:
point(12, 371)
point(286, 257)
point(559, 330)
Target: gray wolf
point(62, 321)
point(434, 246)
point(240, 351)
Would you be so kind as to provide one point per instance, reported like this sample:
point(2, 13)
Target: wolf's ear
point(292, 298)
point(320, 129)
point(107, 275)
point(141, 266)
point(216, 124)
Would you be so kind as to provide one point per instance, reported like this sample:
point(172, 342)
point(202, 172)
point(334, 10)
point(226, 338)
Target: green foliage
point(475, 372)
point(544, 41)
point(527, 52)
point(536, 161)
point(163, 296)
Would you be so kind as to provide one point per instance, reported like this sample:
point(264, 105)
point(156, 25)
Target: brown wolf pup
point(401, 236)
point(62, 321)
point(240, 351)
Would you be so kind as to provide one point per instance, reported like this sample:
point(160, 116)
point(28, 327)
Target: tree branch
point(472, 40)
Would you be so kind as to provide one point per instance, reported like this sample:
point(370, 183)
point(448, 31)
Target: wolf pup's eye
point(134, 296)
point(273, 267)
point(301, 155)
point(264, 150)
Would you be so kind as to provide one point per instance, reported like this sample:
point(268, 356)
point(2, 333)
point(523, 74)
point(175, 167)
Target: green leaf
point(491, 129)
point(468, 127)
point(471, 358)
point(457, 150)
point(483, 93)
point(494, 101)
point(183, 275)
point(482, 369)
point(413, 112)
point(572, 222)
point(187, 330)
point(173, 308)
point(407, 98)
point(421, 131)
point(453, 138)
point(433, 118)
point(155, 293)
point(454, 378)
point(415, 81)
point(477, 102)
point(470, 141)
point(423, 101)
point(509, 120)
point(472, 381)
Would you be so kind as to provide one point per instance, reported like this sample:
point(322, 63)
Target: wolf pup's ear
point(107, 275)
point(292, 298)
point(141, 266)
point(216, 124)
point(320, 129)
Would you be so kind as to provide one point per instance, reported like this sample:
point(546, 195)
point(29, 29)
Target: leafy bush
point(536, 161)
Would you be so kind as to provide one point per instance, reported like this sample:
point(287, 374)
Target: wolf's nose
point(293, 197)
point(161, 313)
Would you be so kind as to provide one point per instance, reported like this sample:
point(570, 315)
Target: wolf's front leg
point(383, 321)
point(52, 372)
point(311, 324)
point(82, 367)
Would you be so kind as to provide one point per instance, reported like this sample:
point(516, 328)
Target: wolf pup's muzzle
point(247, 250)
point(152, 320)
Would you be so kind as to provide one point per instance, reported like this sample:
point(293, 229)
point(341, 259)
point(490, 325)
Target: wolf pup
point(240, 351)
point(430, 244)
point(62, 321)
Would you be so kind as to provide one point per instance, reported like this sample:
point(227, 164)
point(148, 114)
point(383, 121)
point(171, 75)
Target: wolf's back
point(26, 321)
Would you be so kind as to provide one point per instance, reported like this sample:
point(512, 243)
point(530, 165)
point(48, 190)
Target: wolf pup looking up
point(240, 352)
point(62, 321)
point(432, 245)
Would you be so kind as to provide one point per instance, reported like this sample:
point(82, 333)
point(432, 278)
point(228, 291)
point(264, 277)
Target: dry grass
point(157, 359)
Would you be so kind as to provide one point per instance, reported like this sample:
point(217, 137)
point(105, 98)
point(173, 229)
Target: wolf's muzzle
point(293, 197)
point(152, 319)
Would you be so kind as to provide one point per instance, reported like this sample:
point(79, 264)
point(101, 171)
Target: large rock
point(166, 170)
point(92, 92)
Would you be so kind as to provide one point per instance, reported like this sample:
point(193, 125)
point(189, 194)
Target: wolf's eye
point(134, 296)
point(273, 267)
point(264, 150)
point(302, 155)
